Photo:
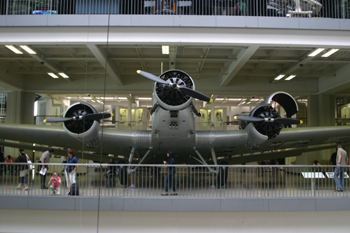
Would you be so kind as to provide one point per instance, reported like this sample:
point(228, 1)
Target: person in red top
point(9, 167)
point(55, 182)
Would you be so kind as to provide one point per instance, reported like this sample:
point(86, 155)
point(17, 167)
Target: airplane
point(173, 128)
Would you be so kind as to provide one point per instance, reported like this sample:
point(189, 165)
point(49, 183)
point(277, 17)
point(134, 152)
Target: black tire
point(223, 174)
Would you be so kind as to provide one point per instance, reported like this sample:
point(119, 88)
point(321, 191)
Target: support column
point(19, 110)
point(321, 111)
point(20, 107)
point(129, 113)
point(312, 110)
point(212, 115)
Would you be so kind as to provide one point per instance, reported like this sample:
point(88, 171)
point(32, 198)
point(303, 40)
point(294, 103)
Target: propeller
point(285, 121)
point(151, 77)
point(91, 116)
point(183, 89)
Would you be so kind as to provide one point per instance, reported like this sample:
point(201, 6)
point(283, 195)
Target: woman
point(170, 178)
point(22, 169)
point(70, 170)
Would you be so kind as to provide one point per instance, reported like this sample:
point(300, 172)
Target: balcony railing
point(263, 8)
point(229, 181)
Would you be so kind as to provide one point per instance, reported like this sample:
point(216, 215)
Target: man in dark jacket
point(111, 173)
point(170, 178)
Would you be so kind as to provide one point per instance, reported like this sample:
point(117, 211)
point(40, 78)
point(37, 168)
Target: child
point(56, 184)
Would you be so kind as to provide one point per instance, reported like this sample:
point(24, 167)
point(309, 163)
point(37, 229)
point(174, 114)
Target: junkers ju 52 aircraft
point(173, 128)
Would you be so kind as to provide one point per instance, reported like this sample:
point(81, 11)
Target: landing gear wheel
point(222, 174)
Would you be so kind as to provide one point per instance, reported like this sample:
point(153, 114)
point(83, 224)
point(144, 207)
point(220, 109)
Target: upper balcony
point(292, 14)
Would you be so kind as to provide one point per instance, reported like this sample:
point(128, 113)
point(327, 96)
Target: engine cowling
point(172, 98)
point(86, 131)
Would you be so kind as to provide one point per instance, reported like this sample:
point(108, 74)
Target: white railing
point(231, 181)
point(263, 8)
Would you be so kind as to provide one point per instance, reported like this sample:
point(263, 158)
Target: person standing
point(342, 160)
point(45, 158)
point(2, 160)
point(332, 160)
point(111, 174)
point(70, 170)
point(170, 178)
point(9, 167)
point(22, 169)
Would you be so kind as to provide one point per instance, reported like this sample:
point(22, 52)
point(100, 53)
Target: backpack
point(74, 190)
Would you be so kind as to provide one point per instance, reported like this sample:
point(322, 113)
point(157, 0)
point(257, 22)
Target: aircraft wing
point(290, 142)
point(111, 141)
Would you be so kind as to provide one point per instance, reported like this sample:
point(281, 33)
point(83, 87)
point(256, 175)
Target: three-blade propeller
point(92, 116)
point(187, 91)
point(285, 121)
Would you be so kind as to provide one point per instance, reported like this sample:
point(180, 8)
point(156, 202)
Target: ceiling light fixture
point(165, 49)
point(63, 75)
point(279, 77)
point(315, 52)
point(52, 75)
point(145, 98)
point(290, 77)
point(27, 49)
point(330, 52)
point(13, 49)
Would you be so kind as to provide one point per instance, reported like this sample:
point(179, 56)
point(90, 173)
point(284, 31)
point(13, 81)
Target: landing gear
point(131, 171)
point(123, 173)
point(221, 178)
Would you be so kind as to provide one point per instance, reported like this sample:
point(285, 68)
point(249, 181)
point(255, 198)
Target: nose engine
point(173, 90)
point(171, 95)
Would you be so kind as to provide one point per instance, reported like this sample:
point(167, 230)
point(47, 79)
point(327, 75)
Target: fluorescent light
point(290, 77)
point(63, 75)
point(93, 101)
point(330, 52)
point(279, 77)
point(254, 100)
point(35, 108)
point(315, 52)
point(248, 102)
point(27, 49)
point(13, 49)
point(219, 99)
point(122, 98)
point(165, 49)
point(52, 75)
point(234, 99)
point(145, 98)
point(87, 98)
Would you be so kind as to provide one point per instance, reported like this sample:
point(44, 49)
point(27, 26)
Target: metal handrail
point(260, 8)
point(231, 181)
